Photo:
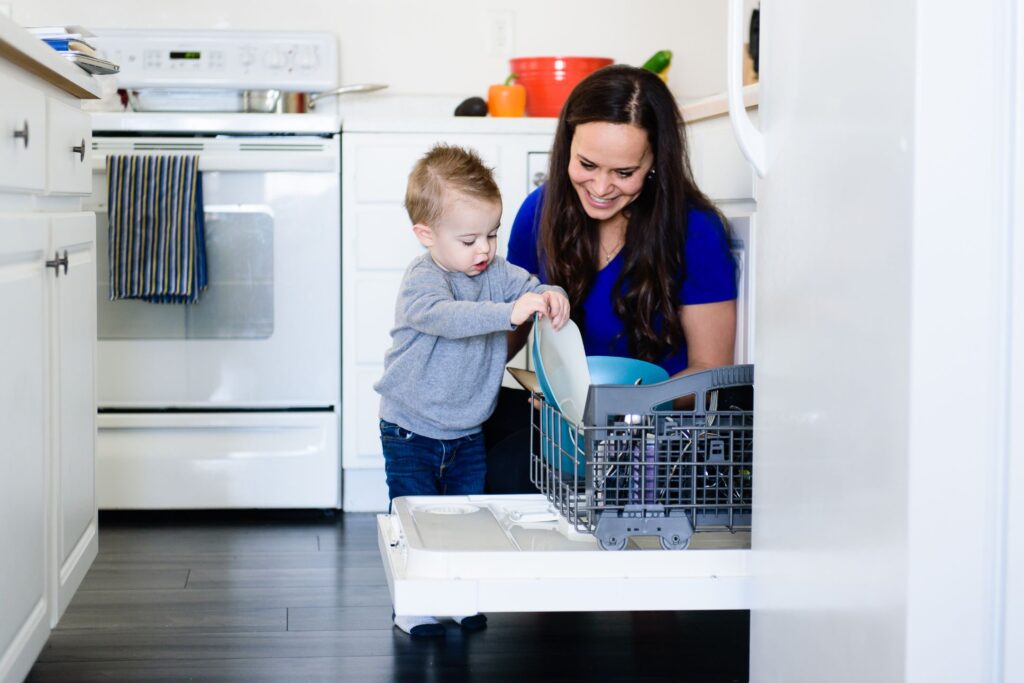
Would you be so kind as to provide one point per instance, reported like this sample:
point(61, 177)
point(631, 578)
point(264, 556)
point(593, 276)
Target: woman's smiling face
point(608, 164)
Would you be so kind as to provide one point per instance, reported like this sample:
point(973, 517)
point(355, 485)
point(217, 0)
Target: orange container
point(549, 80)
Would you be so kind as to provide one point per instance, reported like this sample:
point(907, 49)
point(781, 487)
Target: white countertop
point(389, 112)
point(23, 49)
point(416, 114)
point(448, 124)
point(718, 105)
point(373, 113)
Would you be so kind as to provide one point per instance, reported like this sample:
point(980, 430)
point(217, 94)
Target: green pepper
point(659, 61)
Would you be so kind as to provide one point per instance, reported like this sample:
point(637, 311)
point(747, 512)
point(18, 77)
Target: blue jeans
point(417, 465)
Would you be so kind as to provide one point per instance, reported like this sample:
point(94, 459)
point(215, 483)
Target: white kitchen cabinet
point(69, 137)
point(377, 246)
point(48, 418)
point(73, 416)
point(22, 125)
point(47, 365)
point(24, 503)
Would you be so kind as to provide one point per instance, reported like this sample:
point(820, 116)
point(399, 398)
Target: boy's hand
point(526, 305)
point(558, 308)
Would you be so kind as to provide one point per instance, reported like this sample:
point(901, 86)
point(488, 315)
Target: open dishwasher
point(645, 505)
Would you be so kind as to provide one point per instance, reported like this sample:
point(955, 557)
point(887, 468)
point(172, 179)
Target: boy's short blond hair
point(441, 171)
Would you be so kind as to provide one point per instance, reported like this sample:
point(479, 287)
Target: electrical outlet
point(501, 30)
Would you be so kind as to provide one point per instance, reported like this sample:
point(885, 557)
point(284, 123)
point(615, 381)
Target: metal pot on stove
point(280, 102)
point(270, 101)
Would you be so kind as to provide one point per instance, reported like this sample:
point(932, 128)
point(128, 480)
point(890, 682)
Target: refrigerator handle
point(750, 139)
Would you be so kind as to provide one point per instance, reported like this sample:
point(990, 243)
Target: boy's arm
point(431, 308)
point(517, 281)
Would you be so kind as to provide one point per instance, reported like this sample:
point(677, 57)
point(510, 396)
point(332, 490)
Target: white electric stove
point(233, 402)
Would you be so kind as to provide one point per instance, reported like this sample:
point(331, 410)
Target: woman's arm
point(710, 331)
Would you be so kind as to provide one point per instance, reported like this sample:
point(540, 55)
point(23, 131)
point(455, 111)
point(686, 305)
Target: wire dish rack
point(661, 460)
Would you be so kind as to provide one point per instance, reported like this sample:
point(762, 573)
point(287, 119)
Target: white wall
point(441, 46)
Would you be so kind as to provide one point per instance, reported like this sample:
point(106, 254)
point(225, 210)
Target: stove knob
point(274, 59)
point(247, 56)
point(306, 58)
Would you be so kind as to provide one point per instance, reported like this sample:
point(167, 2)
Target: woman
point(622, 227)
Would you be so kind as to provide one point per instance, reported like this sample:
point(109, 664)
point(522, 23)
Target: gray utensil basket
point(640, 465)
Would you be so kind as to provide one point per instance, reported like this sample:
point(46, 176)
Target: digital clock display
point(186, 55)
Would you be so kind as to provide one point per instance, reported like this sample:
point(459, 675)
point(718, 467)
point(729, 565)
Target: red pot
point(549, 80)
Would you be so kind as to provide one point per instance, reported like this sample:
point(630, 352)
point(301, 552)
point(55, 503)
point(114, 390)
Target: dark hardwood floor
point(302, 597)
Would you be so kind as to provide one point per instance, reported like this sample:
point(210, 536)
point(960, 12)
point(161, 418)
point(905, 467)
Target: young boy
point(455, 305)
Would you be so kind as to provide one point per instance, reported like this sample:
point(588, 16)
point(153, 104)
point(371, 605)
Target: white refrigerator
point(889, 417)
point(889, 421)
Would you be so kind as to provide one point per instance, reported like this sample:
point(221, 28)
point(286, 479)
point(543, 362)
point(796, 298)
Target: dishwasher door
point(467, 554)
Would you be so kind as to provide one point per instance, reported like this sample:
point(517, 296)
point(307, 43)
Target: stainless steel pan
point(280, 102)
point(249, 101)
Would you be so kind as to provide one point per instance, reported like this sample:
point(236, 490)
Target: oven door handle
point(251, 161)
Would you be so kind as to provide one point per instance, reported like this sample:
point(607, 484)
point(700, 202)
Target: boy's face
point(465, 238)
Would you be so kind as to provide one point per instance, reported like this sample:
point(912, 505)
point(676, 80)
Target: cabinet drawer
point(22, 136)
point(23, 429)
point(383, 171)
point(69, 145)
point(152, 461)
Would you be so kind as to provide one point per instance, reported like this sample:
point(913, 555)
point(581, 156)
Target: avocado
point(472, 106)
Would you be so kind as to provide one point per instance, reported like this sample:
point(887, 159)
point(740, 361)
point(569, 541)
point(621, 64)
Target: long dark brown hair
point(654, 263)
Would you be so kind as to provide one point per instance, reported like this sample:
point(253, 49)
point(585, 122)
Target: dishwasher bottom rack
point(661, 460)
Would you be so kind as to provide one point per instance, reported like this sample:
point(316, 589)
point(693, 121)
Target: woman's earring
point(650, 174)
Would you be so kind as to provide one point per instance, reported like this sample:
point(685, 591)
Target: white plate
point(565, 367)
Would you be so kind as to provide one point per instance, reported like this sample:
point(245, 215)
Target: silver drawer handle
point(57, 262)
point(23, 134)
point(79, 150)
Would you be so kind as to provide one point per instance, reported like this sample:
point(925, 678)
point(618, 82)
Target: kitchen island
point(47, 365)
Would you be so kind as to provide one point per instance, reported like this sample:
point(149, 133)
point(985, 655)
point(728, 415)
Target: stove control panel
point(241, 60)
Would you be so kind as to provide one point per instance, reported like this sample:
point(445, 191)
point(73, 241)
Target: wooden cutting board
point(527, 379)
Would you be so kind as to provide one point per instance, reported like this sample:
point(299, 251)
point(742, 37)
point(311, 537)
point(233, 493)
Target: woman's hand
point(558, 308)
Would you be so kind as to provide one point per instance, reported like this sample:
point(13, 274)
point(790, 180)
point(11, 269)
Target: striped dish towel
point(157, 245)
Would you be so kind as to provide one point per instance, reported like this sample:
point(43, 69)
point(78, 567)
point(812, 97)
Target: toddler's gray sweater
point(449, 348)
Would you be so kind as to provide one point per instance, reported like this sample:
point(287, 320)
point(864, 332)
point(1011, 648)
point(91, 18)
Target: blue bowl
point(618, 370)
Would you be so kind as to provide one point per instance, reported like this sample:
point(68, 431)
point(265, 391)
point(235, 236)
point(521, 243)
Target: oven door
point(266, 332)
